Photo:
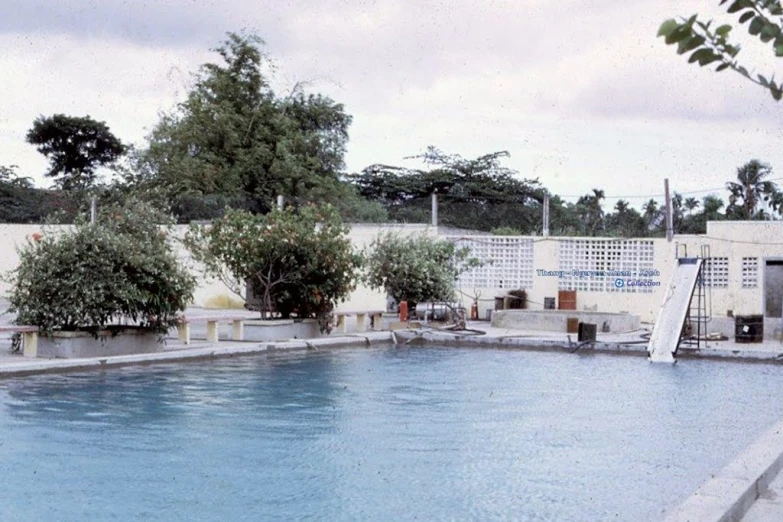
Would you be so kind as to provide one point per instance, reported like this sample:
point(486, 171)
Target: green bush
point(415, 268)
point(299, 261)
point(119, 270)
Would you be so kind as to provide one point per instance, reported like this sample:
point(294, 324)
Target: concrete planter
point(281, 329)
point(556, 320)
point(67, 345)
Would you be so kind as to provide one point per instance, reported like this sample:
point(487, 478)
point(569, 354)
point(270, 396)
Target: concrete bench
point(29, 338)
point(237, 332)
point(361, 319)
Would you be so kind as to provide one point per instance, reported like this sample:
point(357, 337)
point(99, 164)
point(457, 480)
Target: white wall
point(731, 239)
point(212, 293)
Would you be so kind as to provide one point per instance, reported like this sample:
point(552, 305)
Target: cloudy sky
point(580, 92)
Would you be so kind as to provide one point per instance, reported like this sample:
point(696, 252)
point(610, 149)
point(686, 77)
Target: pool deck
point(753, 495)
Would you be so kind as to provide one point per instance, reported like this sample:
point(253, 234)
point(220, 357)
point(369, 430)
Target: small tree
point(75, 147)
point(416, 268)
point(299, 261)
point(121, 268)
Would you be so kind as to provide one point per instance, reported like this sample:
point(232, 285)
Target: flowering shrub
point(299, 261)
point(415, 268)
point(120, 269)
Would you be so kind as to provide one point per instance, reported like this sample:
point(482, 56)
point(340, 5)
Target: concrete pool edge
point(730, 493)
point(537, 343)
point(219, 350)
point(474, 338)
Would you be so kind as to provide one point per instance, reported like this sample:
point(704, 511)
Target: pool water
point(377, 434)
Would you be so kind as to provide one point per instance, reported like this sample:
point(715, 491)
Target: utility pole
point(434, 209)
point(545, 230)
point(93, 211)
point(669, 225)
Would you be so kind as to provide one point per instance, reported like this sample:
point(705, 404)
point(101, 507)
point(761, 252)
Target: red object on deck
point(474, 311)
point(403, 311)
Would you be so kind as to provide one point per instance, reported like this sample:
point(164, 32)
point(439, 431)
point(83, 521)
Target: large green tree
point(22, 202)
point(709, 42)
point(477, 193)
point(234, 142)
point(75, 147)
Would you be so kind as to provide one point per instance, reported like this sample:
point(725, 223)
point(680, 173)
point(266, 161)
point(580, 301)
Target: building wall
point(562, 256)
point(515, 262)
point(735, 275)
point(210, 293)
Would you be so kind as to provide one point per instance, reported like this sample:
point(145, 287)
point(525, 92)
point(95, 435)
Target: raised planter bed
point(68, 345)
point(557, 320)
point(281, 329)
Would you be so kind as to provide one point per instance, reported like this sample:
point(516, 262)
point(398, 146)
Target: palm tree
point(625, 222)
point(621, 206)
point(711, 206)
point(651, 214)
point(691, 204)
point(591, 212)
point(750, 189)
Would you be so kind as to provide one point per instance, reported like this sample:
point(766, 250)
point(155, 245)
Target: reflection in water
point(377, 434)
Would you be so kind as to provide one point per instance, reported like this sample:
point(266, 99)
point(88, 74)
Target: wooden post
point(434, 209)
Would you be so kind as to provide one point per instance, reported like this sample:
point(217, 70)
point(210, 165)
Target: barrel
point(566, 300)
point(749, 328)
point(572, 325)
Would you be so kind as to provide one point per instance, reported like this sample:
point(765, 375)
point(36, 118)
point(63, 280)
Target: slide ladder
point(667, 332)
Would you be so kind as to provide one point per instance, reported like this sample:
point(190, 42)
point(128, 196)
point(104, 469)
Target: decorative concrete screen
point(716, 272)
point(750, 272)
point(507, 262)
point(596, 265)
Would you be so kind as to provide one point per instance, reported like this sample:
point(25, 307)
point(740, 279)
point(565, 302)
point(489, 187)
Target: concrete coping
point(729, 494)
point(37, 366)
point(589, 313)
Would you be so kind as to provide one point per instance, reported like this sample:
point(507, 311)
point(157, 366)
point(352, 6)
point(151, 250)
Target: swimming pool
point(383, 433)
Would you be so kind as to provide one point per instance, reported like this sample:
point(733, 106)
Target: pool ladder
point(700, 306)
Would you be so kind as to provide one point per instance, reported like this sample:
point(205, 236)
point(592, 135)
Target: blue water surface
point(377, 434)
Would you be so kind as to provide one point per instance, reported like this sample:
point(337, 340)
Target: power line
point(640, 196)
point(510, 197)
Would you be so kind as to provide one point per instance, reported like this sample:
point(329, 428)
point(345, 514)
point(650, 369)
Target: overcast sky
point(581, 93)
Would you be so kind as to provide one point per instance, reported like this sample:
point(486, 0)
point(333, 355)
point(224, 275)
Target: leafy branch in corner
point(709, 43)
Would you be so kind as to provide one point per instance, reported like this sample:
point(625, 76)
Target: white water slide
point(665, 337)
